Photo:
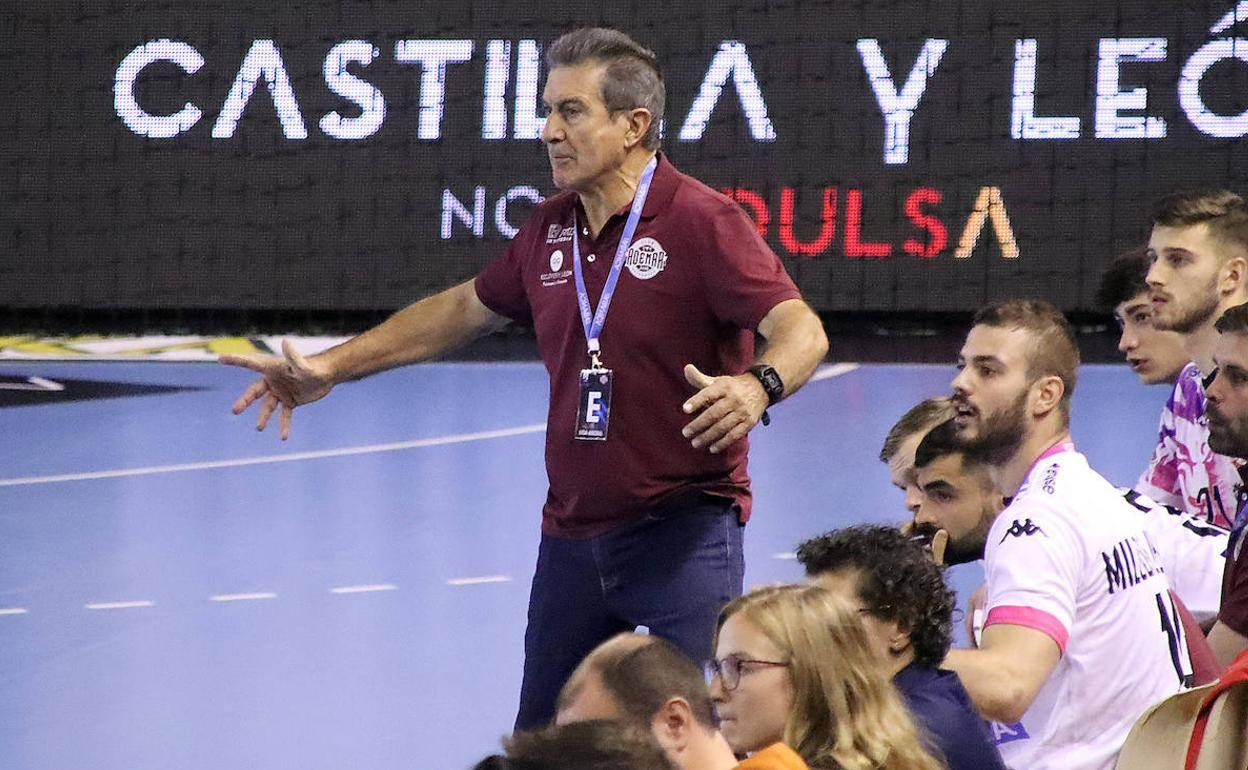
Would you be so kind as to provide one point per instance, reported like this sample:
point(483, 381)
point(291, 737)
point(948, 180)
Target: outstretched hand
point(286, 381)
point(727, 408)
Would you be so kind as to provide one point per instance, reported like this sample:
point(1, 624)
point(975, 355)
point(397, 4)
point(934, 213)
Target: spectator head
point(1199, 252)
point(795, 664)
point(903, 438)
point(1019, 366)
point(1227, 394)
point(1155, 355)
point(591, 745)
point(960, 495)
point(900, 592)
point(649, 683)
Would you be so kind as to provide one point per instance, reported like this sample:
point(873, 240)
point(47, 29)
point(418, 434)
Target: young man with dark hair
point(1228, 434)
point(908, 611)
point(1081, 633)
point(646, 448)
point(647, 682)
point(1155, 355)
point(1199, 253)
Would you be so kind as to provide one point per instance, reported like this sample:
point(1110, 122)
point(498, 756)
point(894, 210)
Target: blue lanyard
point(593, 326)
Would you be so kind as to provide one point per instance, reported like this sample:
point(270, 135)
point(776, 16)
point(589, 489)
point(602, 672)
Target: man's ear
point(898, 638)
point(1047, 394)
point(1233, 275)
point(639, 121)
point(673, 724)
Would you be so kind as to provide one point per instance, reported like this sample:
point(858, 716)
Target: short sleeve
point(1234, 610)
point(744, 277)
point(500, 286)
point(1032, 575)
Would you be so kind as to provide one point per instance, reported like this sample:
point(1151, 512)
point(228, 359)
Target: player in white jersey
point(1081, 634)
point(1199, 252)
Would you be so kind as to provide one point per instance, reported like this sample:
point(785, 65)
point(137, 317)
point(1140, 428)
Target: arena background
point(297, 205)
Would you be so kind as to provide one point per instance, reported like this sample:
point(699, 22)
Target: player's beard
point(1227, 435)
point(1003, 432)
point(970, 547)
point(1190, 317)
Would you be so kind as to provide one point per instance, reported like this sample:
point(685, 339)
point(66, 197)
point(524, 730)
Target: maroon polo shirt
point(1234, 608)
point(697, 282)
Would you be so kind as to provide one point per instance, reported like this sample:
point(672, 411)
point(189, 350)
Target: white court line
point(835, 370)
point(120, 605)
point(242, 597)
point(459, 438)
point(364, 589)
point(786, 556)
point(476, 581)
point(13, 611)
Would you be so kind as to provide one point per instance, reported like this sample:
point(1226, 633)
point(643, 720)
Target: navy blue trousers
point(671, 571)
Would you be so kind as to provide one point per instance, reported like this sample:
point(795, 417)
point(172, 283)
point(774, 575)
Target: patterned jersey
point(1183, 471)
point(1070, 558)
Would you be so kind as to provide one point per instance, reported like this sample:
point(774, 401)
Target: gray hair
point(632, 78)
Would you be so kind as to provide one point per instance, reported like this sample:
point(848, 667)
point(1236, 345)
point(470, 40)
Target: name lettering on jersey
point(558, 234)
point(1131, 562)
point(1022, 529)
point(646, 259)
point(1007, 733)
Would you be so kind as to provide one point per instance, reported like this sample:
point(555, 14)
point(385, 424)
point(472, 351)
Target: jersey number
point(1173, 628)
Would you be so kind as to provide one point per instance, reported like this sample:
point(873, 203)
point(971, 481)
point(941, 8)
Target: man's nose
point(914, 498)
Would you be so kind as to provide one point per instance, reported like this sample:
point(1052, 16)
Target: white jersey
point(1192, 552)
point(1068, 557)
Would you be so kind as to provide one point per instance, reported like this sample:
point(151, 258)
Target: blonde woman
point(794, 664)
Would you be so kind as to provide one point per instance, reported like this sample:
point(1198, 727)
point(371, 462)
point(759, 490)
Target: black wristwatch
point(771, 381)
point(773, 386)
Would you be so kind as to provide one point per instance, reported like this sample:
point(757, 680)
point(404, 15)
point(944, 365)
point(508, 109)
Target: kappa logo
point(556, 261)
point(646, 259)
point(1025, 529)
point(558, 234)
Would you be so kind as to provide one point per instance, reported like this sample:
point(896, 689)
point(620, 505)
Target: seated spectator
point(908, 612)
point(1155, 355)
point(592, 745)
point(795, 664)
point(903, 438)
point(649, 683)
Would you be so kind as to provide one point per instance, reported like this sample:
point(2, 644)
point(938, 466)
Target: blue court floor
point(178, 591)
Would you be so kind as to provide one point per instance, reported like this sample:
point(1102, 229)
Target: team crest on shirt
point(646, 259)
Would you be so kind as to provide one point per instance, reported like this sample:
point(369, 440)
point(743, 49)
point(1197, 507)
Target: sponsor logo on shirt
point(646, 259)
point(1022, 529)
point(556, 261)
point(558, 234)
point(1050, 478)
point(1008, 733)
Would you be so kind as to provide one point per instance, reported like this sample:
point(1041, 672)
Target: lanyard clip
point(595, 354)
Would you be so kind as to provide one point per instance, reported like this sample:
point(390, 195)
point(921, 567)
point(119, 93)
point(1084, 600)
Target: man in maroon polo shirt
point(1227, 396)
point(645, 289)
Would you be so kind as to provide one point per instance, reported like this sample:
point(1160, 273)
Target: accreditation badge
point(593, 413)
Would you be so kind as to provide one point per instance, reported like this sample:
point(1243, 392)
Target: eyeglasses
point(729, 669)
